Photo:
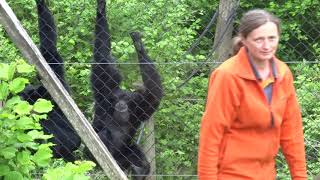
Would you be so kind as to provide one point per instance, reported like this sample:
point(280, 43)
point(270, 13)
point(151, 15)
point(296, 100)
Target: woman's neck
point(260, 65)
point(263, 68)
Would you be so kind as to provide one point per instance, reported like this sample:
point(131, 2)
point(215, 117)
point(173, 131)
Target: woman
point(252, 110)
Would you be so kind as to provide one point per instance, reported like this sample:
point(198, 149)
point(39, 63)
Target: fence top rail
point(174, 63)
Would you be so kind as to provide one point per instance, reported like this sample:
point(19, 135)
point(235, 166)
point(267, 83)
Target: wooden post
point(149, 148)
point(84, 129)
point(223, 35)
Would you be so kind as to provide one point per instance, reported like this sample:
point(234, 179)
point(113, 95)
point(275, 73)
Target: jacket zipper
point(272, 123)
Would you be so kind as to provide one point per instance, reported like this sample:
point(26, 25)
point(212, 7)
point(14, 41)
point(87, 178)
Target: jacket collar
point(245, 67)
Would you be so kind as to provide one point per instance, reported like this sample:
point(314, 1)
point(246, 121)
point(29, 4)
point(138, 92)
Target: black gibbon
point(65, 138)
point(119, 113)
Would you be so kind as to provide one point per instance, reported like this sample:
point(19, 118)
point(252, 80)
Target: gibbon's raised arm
point(151, 78)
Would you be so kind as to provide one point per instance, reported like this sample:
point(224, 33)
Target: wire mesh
point(178, 36)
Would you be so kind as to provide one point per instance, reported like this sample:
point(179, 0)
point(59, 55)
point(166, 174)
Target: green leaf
point(25, 169)
point(51, 175)
point(13, 175)
point(56, 174)
point(11, 70)
point(6, 115)
point(84, 166)
point(38, 135)
point(24, 157)
point(23, 108)
point(2, 136)
point(4, 72)
point(32, 145)
point(4, 90)
point(25, 122)
point(4, 169)
point(42, 156)
point(71, 171)
point(13, 101)
point(71, 41)
point(38, 117)
point(22, 137)
point(17, 85)
point(8, 152)
point(24, 68)
point(42, 106)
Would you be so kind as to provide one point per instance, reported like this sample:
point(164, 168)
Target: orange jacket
point(237, 140)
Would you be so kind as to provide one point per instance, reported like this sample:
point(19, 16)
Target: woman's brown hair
point(250, 21)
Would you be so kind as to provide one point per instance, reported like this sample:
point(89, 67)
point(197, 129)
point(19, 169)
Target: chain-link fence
point(184, 42)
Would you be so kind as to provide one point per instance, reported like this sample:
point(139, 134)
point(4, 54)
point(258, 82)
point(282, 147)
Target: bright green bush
point(70, 171)
point(19, 125)
point(21, 153)
point(308, 91)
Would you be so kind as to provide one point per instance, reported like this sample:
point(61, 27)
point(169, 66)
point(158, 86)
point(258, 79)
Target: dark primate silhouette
point(119, 113)
point(65, 137)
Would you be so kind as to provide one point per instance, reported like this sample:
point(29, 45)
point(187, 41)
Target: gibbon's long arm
point(48, 40)
point(151, 79)
point(105, 77)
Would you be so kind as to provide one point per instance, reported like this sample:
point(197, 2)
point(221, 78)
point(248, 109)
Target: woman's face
point(262, 42)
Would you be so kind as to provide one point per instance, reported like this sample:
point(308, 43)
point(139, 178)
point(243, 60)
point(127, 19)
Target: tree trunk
point(222, 45)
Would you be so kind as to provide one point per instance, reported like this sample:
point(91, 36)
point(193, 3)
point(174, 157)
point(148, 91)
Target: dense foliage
point(169, 29)
point(308, 90)
point(24, 149)
point(20, 127)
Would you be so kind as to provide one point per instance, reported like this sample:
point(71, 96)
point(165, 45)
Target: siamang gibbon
point(65, 138)
point(119, 113)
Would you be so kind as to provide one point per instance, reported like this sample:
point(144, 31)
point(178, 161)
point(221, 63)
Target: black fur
point(119, 113)
point(65, 137)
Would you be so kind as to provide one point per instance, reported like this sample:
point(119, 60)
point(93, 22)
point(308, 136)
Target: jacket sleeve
point(220, 110)
point(291, 140)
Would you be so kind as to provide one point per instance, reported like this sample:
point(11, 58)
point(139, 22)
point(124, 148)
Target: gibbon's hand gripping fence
point(58, 92)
